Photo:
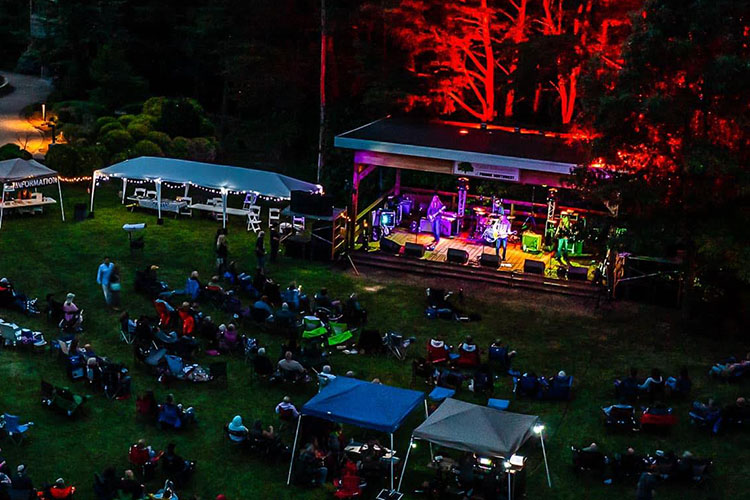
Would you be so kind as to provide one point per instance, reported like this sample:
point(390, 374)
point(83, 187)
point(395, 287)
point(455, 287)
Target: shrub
point(65, 159)
point(145, 148)
point(104, 120)
point(108, 127)
point(73, 131)
point(92, 158)
point(118, 157)
point(11, 151)
point(180, 148)
point(138, 130)
point(77, 111)
point(180, 117)
point(202, 149)
point(160, 139)
point(153, 107)
point(117, 140)
point(126, 119)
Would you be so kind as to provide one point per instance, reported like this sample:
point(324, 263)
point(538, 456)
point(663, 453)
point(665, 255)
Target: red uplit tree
point(461, 48)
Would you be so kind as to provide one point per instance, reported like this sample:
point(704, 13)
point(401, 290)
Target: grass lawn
point(43, 255)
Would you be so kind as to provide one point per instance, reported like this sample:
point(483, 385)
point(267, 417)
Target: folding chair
point(139, 193)
point(253, 219)
point(249, 201)
point(125, 334)
point(12, 426)
point(151, 195)
point(274, 217)
point(186, 210)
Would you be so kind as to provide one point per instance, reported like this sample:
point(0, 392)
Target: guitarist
point(433, 214)
point(502, 231)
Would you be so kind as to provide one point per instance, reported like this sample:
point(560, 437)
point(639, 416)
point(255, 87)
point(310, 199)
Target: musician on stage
point(502, 230)
point(562, 234)
point(433, 214)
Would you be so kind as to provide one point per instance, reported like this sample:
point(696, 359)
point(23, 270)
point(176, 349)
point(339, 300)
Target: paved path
point(13, 128)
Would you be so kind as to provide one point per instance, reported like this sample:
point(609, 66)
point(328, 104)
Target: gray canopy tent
point(479, 429)
point(222, 178)
point(17, 173)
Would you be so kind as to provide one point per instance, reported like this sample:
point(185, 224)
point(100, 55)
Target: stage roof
point(501, 146)
point(364, 404)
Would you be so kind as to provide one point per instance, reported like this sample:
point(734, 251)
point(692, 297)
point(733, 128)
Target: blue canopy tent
point(363, 404)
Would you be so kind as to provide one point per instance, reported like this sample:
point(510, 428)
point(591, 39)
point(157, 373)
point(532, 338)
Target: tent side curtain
point(363, 404)
point(209, 175)
point(478, 429)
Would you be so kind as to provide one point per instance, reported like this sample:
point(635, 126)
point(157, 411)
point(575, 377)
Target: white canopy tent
point(19, 174)
point(222, 178)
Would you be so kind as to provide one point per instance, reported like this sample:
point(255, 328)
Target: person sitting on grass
point(290, 368)
point(264, 304)
point(130, 486)
point(286, 410)
point(173, 415)
point(21, 480)
point(501, 356)
point(323, 300)
point(325, 377)
point(653, 385)
point(262, 365)
point(72, 317)
point(627, 388)
point(177, 468)
point(354, 313)
point(229, 338)
point(187, 319)
point(11, 299)
point(284, 317)
point(681, 384)
point(237, 431)
point(311, 465)
point(730, 369)
point(59, 491)
point(214, 286)
point(259, 434)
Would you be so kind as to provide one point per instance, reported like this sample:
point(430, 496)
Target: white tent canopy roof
point(18, 169)
point(209, 175)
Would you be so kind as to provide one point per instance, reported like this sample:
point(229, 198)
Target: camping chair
point(253, 219)
point(125, 333)
point(658, 418)
point(620, 417)
point(311, 322)
point(12, 427)
point(10, 333)
point(175, 364)
point(144, 463)
point(349, 486)
point(340, 334)
point(168, 416)
point(274, 217)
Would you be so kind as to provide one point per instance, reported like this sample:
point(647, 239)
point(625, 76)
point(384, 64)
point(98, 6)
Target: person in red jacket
point(59, 491)
point(188, 322)
point(468, 354)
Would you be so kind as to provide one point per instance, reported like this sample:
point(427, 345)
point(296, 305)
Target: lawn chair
point(253, 219)
point(658, 418)
point(10, 333)
point(340, 334)
point(349, 486)
point(125, 333)
point(620, 417)
point(12, 427)
point(62, 399)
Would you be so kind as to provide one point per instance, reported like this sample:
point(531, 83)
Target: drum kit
point(484, 221)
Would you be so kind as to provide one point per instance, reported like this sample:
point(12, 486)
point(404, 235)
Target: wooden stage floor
point(515, 257)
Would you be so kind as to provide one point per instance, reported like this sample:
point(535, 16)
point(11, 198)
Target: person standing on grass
point(222, 253)
point(114, 288)
point(102, 277)
point(275, 242)
point(260, 252)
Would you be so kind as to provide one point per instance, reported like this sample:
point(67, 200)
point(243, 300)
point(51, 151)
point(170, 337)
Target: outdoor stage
point(514, 257)
point(511, 273)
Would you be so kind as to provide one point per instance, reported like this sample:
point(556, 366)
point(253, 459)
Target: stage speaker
point(414, 250)
point(306, 203)
point(389, 246)
point(533, 266)
point(489, 260)
point(578, 273)
point(458, 256)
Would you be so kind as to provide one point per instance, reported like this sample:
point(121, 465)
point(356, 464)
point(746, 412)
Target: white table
point(173, 206)
point(217, 209)
point(28, 205)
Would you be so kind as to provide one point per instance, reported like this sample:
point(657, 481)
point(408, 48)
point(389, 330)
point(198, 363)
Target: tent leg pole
point(403, 468)
point(392, 452)
point(59, 192)
point(546, 466)
point(187, 187)
point(510, 490)
point(223, 208)
point(427, 414)
point(93, 188)
point(158, 201)
point(2, 205)
point(124, 189)
point(294, 451)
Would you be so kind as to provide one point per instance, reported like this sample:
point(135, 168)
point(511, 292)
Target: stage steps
point(380, 260)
